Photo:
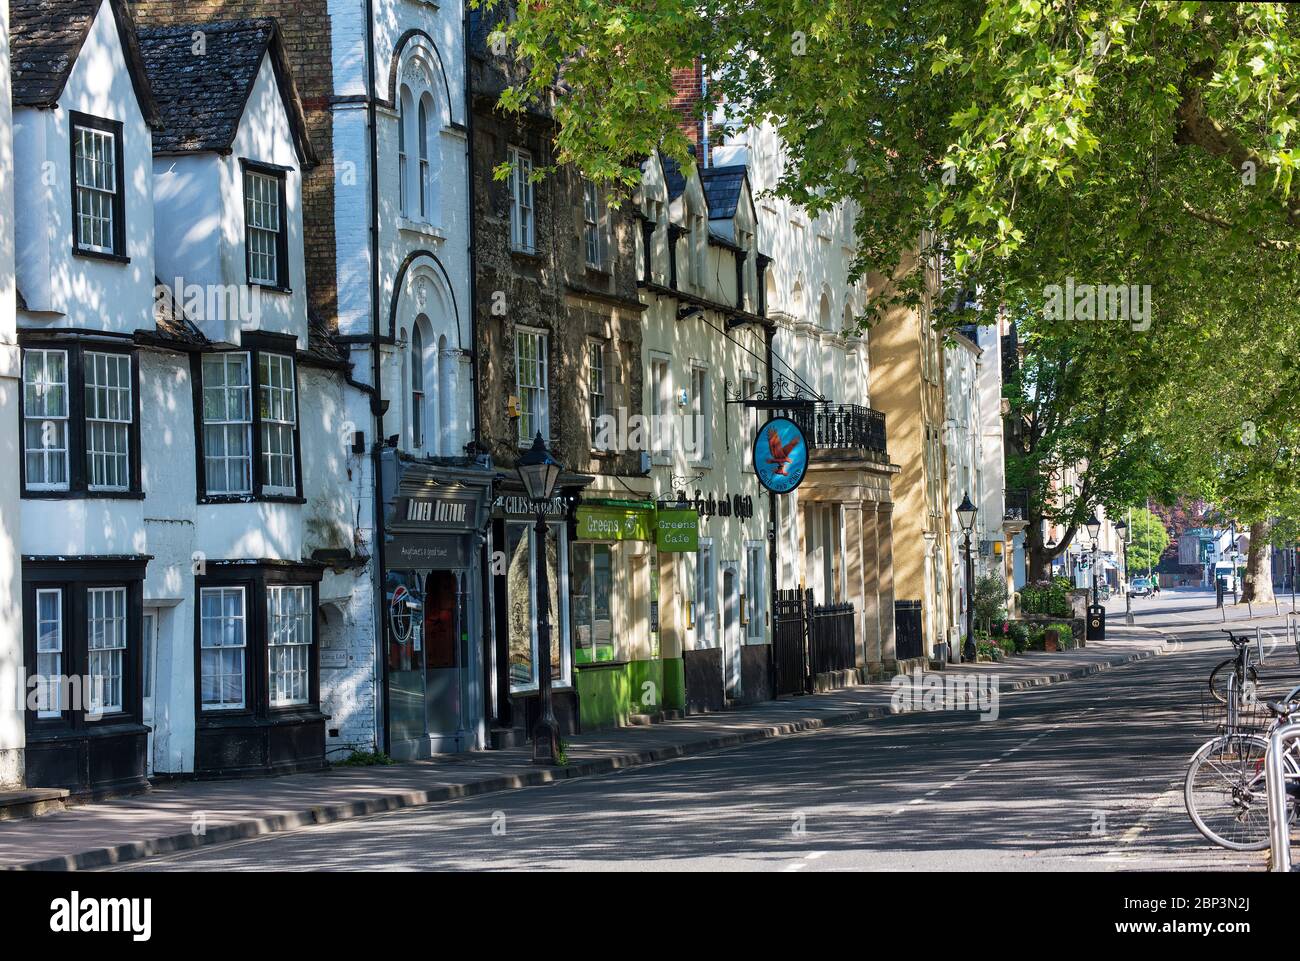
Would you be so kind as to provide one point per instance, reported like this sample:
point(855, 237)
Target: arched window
point(417, 388)
point(824, 313)
point(424, 157)
point(403, 174)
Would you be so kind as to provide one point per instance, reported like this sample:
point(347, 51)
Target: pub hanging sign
point(780, 455)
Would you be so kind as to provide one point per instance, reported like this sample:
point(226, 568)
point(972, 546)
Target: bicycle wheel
point(1219, 679)
point(1224, 792)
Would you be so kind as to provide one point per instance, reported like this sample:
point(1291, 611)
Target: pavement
point(182, 820)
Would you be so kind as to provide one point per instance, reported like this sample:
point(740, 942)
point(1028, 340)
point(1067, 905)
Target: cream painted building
point(834, 532)
point(704, 347)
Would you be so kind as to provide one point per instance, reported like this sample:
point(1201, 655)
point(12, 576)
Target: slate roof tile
point(201, 97)
point(722, 188)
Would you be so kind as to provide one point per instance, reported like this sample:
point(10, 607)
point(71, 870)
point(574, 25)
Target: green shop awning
point(603, 523)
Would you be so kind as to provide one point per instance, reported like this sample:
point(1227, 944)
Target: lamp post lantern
point(1094, 531)
point(966, 517)
point(539, 472)
point(1122, 529)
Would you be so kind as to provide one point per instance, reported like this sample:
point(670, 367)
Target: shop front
point(513, 549)
point(619, 671)
point(433, 664)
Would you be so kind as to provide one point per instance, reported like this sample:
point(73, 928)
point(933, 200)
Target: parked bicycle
point(1238, 667)
point(1225, 790)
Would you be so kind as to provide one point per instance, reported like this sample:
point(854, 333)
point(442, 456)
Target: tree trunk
point(1258, 587)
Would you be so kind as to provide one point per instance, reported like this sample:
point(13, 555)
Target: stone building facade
point(558, 326)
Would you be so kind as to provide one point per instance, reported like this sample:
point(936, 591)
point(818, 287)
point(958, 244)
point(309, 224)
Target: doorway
point(443, 696)
point(426, 653)
point(731, 639)
point(149, 657)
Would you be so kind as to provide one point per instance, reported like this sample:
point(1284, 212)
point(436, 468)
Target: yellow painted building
point(907, 386)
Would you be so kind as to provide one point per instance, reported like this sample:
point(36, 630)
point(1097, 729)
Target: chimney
point(688, 87)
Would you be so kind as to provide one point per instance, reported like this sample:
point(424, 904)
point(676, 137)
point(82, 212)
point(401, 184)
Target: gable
point(203, 99)
point(45, 39)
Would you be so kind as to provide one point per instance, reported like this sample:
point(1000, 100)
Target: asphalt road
point(1085, 775)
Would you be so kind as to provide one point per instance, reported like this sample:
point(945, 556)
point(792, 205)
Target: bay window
point(83, 617)
point(80, 419)
point(247, 450)
point(256, 639)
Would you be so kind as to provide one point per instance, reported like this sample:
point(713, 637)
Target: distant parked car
point(1140, 587)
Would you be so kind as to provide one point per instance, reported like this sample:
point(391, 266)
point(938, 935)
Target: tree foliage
point(1022, 144)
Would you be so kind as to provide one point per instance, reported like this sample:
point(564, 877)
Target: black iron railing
point(789, 637)
point(832, 639)
point(1016, 505)
point(840, 427)
point(908, 639)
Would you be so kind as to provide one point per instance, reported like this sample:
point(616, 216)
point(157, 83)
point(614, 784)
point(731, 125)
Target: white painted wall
point(84, 291)
point(200, 221)
point(11, 648)
point(810, 260)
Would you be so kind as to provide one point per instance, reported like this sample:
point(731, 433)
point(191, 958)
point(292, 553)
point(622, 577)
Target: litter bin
point(1096, 623)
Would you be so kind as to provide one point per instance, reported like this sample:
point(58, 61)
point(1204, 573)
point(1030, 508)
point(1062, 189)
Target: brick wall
point(688, 85)
point(304, 28)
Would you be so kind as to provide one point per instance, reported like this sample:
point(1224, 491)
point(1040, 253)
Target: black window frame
point(254, 345)
point(78, 470)
point(74, 577)
point(255, 577)
point(280, 175)
point(114, 127)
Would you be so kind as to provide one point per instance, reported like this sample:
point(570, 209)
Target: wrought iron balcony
point(840, 427)
point(1016, 506)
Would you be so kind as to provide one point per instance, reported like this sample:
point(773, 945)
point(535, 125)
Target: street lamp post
point(1094, 531)
point(1122, 529)
point(539, 472)
point(1293, 572)
point(966, 517)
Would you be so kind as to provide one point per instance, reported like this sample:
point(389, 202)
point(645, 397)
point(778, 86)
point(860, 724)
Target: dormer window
point(265, 234)
point(98, 197)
